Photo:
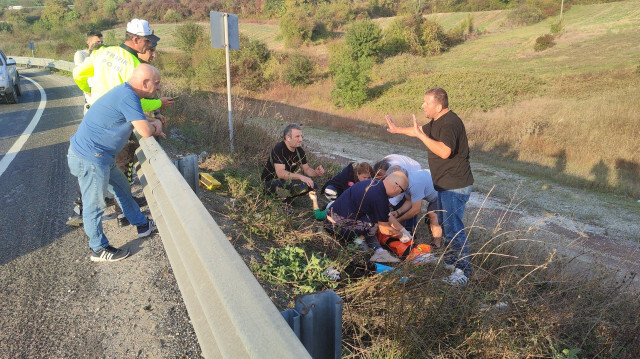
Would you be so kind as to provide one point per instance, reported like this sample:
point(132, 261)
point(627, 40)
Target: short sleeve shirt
point(421, 186)
point(453, 172)
point(365, 198)
point(405, 162)
point(292, 160)
point(106, 127)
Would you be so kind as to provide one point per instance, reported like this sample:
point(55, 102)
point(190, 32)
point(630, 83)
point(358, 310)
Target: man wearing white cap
point(111, 66)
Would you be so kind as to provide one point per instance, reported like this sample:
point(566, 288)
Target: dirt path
point(590, 227)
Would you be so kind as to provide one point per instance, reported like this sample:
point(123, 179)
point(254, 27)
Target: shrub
point(434, 40)
point(395, 39)
point(419, 36)
point(187, 35)
point(364, 39)
point(556, 27)
point(544, 42)
point(6, 27)
point(247, 65)
point(525, 14)
point(332, 15)
point(299, 70)
point(172, 16)
point(296, 26)
point(350, 77)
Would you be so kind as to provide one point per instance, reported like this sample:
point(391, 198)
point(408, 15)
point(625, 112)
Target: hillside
point(543, 111)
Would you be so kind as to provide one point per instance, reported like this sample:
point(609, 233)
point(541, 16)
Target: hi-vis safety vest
point(109, 66)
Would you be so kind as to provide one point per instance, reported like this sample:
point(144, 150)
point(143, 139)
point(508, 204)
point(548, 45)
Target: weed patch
point(292, 265)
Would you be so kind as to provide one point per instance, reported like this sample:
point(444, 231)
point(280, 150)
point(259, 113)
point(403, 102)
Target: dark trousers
point(346, 230)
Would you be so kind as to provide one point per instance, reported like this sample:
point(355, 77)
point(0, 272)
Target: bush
point(434, 40)
point(299, 70)
point(544, 42)
point(395, 39)
point(350, 78)
point(6, 27)
point(172, 16)
point(332, 15)
point(187, 35)
point(556, 27)
point(296, 26)
point(419, 36)
point(525, 14)
point(247, 65)
point(364, 39)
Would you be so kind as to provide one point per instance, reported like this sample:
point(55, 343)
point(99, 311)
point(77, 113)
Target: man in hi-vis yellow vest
point(109, 67)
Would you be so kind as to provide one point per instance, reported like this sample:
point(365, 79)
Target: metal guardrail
point(232, 315)
point(45, 63)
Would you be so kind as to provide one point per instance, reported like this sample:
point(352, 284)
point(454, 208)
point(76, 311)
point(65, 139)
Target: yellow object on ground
point(208, 181)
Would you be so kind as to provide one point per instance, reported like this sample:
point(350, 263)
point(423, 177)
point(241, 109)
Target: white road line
point(17, 146)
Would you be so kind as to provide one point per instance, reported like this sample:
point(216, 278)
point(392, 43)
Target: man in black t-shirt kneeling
point(287, 158)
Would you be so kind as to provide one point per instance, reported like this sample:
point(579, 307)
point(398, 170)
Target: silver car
point(9, 79)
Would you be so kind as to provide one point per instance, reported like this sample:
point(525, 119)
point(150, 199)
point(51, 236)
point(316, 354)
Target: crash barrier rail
point(232, 315)
point(50, 64)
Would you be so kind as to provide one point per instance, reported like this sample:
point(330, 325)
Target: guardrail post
point(317, 322)
point(188, 167)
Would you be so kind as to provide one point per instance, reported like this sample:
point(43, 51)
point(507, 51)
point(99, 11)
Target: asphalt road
point(55, 302)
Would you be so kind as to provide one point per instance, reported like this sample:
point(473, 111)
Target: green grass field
point(575, 100)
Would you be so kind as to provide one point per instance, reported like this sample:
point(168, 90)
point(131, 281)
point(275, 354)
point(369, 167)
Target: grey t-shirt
point(421, 187)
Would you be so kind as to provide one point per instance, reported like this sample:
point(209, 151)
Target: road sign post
point(32, 47)
point(224, 35)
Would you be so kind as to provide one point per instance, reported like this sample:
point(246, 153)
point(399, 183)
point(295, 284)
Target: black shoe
point(109, 254)
point(123, 221)
point(146, 229)
point(110, 201)
point(75, 220)
point(141, 201)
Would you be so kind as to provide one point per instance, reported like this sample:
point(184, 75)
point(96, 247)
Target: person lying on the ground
point(353, 173)
point(420, 187)
point(363, 209)
point(287, 158)
point(318, 214)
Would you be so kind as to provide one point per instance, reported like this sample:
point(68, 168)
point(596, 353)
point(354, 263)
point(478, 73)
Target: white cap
point(141, 28)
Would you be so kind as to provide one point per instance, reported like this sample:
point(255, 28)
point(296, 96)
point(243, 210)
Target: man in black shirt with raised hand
point(286, 158)
point(446, 139)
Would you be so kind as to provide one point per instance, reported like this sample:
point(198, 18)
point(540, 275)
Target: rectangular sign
point(217, 30)
point(32, 46)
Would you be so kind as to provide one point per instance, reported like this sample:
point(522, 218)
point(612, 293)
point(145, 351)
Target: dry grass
point(524, 299)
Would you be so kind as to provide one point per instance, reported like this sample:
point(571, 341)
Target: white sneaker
point(383, 256)
point(457, 278)
point(425, 258)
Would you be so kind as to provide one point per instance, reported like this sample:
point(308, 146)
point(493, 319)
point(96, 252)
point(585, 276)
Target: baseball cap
point(141, 28)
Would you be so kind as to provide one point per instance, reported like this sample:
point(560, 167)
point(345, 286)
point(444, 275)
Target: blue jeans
point(94, 180)
point(452, 204)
